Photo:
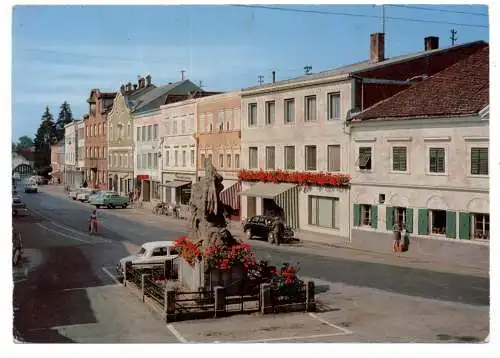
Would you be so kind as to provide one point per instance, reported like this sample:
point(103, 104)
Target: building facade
point(80, 154)
point(178, 151)
point(301, 126)
point(421, 160)
point(96, 140)
point(121, 135)
point(219, 140)
point(57, 159)
point(71, 175)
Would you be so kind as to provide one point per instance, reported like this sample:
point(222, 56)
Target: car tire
point(270, 238)
point(111, 206)
point(97, 206)
point(124, 206)
point(108, 206)
point(248, 233)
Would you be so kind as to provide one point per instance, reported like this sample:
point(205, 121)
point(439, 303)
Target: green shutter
point(409, 220)
point(389, 218)
point(464, 226)
point(423, 222)
point(374, 216)
point(356, 214)
point(451, 224)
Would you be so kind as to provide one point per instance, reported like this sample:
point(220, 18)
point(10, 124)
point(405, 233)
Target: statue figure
point(208, 225)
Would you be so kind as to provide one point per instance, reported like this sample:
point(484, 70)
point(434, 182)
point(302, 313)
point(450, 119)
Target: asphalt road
point(71, 287)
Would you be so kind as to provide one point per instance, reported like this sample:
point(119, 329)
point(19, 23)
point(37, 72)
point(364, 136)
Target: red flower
point(301, 178)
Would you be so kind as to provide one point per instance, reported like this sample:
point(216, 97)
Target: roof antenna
point(307, 69)
point(261, 79)
point(453, 37)
point(182, 74)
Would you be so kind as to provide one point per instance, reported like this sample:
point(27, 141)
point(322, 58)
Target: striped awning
point(176, 184)
point(267, 190)
point(229, 196)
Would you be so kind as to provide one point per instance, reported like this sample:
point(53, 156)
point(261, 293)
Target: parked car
point(30, 186)
point(18, 206)
point(110, 200)
point(262, 226)
point(73, 192)
point(85, 193)
point(150, 255)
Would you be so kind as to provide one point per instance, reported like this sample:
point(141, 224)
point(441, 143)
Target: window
point(310, 108)
point(481, 226)
point(270, 157)
point(150, 132)
point(155, 131)
point(436, 160)
point(155, 160)
point(202, 164)
point(270, 110)
point(323, 211)
point(399, 159)
point(159, 251)
point(252, 157)
point(174, 128)
point(150, 160)
point(138, 159)
point(290, 157)
point(333, 106)
point(252, 114)
point(365, 158)
point(366, 215)
point(192, 157)
point(176, 159)
point(138, 134)
point(129, 130)
point(236, 161)
point(167, 128)
point(167, 158)
point(289, 110)
point(227, 126)
point(310, 157)
point(143, 130)
point(144, 161)
point(183, 158)
point(221, 160)
point(210, 158)
point(479, 161)
point(399, 216)
point(228, 161)
point(221, 127)
point(183, 126)
point(438, 222)
point(333, 154)
point(211, 128)
point(125, 157)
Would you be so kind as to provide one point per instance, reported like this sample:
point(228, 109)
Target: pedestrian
point(397, 237)
point(93, 221)
point(406, 239)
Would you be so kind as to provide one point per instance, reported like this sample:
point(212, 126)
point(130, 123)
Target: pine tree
point(65, 117)
point(45, 137)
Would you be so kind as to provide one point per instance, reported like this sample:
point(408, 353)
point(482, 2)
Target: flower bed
point(241, 254)
point(188, 250)
point(301, 178)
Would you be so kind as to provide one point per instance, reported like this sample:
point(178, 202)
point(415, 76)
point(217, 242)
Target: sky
point(59, 53)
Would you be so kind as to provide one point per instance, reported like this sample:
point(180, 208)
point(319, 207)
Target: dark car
point(262, 226)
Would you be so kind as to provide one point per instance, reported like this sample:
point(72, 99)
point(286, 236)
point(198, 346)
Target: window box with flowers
point(300, 178)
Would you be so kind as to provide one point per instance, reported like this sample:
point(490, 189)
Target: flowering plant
point(188, 250)
point(301, 178)
point(225, 258)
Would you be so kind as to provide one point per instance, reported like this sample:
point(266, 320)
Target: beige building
point(300, 125)
point(422, 160)
point(219, 140)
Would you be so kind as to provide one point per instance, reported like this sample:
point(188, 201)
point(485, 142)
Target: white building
point(71, 175)
point(299, 125)
point(178, 151)
point(80, 153)
point(420, 158)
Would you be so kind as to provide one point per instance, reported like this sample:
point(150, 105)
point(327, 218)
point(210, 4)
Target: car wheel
point(124, 206)
point(111, 206)
point(97, 206)
point(108, 206)
point(270, 237)
point(249, 234)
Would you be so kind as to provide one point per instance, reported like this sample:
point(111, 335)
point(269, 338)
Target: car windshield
point(141, 252)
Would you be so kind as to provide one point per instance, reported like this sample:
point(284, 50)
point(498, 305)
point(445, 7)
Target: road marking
point(110, 275)
point(346, 331)
point(289, 338)
point(91, 237)
point(61, 234)
point(176, 333)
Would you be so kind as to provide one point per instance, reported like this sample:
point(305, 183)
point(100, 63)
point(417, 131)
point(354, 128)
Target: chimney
point(431, 43)
point(122, 89)
point(148, 80)
point(141, 82)
point(377, 46)
point(129, 86)
point(135, 86)
point(274, 76)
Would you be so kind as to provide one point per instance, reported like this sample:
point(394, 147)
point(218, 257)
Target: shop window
point(366, 215)
point(323, 211)
point(481, 226)
point(438, 222)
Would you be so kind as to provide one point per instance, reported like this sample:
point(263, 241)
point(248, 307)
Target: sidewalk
point(310, 242)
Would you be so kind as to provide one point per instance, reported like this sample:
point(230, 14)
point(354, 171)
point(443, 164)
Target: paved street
point(70, 293)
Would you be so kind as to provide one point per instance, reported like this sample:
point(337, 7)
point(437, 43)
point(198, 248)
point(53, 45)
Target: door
point(251, 206)
point(146, 190)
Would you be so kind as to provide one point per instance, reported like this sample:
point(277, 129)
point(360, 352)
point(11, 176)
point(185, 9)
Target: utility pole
point(453, 37)
point(201, 84)
point(182, 74)
point(261, 79)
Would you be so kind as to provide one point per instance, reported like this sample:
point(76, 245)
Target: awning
point(176, 184)
point(229, 196)
point(267, 190)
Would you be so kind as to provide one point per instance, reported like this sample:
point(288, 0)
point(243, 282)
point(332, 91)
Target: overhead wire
point(438, 10)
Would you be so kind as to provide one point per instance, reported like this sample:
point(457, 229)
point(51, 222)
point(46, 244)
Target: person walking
point(396, 246)
point(93, 222)
point(406, 239)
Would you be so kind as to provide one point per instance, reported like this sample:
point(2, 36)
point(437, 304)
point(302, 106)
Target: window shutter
point(409, 220)
point(464, 225)
point(451, 224)
point(423, 221)
point(389, 217)
point(374, 216)
point(356, 214)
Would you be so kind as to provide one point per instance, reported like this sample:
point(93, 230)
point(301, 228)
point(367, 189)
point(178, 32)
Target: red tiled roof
point(461, 89)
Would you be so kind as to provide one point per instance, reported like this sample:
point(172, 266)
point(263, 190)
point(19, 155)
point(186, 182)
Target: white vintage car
point(151, 254)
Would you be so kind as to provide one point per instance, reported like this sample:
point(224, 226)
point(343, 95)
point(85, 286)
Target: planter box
point(191, 277)
point(229, 279)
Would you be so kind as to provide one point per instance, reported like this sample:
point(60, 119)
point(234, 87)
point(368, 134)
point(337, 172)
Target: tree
point(65, 117)
point(45, 137)
point(24, 142)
